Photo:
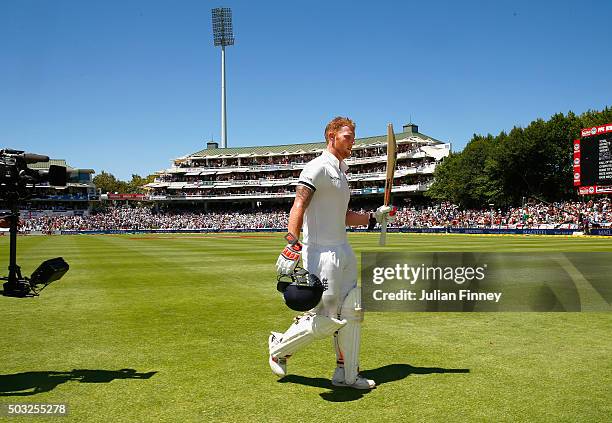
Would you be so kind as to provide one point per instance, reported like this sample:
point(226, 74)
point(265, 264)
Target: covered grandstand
point(77, 197)
point(268, 174)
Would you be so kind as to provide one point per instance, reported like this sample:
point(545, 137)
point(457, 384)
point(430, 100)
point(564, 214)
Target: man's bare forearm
point(357, 219)
point(303, 195)
point(296, 218)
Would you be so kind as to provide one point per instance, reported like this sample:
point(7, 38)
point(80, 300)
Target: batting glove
point(289, 259)
point(385, 213)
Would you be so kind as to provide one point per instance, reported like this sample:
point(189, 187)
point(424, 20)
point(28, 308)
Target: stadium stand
point(77, 197)
point(445, 215)
point(263, 176)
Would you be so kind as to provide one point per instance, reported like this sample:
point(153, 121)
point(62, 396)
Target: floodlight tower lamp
point(223, 35)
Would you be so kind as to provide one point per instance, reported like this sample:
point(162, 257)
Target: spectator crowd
point(568, 215)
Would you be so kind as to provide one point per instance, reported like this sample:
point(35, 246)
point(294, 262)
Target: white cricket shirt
point(325, 217)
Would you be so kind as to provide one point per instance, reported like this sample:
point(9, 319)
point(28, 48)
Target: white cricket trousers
point(335, 265)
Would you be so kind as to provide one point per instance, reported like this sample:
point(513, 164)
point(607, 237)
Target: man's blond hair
point(335, 124)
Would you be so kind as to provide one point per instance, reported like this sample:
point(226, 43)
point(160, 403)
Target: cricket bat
point(391, 158)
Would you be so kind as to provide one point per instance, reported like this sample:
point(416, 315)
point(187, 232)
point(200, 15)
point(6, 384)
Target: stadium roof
point(45, 165)
point(57, 162)
point(299, 148)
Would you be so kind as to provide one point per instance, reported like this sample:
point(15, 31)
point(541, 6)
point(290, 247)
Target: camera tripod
point(15, 285)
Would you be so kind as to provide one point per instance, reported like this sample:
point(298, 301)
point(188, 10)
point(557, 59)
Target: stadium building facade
point(77, 197)
point(267, 175)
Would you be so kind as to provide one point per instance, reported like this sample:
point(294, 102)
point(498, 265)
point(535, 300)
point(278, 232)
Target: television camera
point(17, 182)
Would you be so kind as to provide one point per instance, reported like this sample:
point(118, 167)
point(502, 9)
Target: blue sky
point(126, 86)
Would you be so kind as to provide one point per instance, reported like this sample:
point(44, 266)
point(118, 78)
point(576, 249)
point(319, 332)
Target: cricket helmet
point(301, 290)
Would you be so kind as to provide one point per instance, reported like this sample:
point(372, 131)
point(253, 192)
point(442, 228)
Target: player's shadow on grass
point(32, 383)
point(382, 375)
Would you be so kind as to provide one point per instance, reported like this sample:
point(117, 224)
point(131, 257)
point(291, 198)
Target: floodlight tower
point(223, 35)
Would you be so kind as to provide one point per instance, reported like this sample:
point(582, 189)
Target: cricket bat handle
point(383, 233)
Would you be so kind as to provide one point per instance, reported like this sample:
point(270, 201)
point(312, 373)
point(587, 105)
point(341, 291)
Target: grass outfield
point(197, 310)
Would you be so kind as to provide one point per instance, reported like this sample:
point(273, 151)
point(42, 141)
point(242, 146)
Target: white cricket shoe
point(278, 365)
point(360, 382)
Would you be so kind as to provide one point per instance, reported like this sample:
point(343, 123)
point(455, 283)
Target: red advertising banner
point(595, 189)
point(596, 130)
point(576, 163)
point(136, 197)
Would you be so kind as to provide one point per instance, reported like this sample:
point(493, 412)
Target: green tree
point(446, 185)
point(460, 178)
point(136, 185)
point(107, 182)
point(531, 161)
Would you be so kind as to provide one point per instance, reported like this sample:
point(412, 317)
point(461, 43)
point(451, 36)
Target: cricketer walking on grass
point(321, 210)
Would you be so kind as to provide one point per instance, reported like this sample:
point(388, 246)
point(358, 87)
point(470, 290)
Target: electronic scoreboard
point(593, 160)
